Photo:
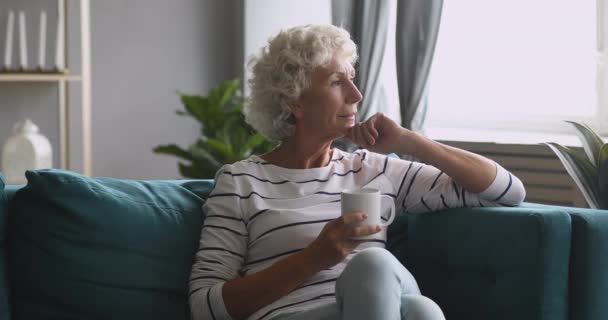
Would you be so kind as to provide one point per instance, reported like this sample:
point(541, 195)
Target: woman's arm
point(381, 134)
point(472, 171)
point(467, 175)
point(244, 296)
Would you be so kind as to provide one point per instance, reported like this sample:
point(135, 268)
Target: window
point(516, 64)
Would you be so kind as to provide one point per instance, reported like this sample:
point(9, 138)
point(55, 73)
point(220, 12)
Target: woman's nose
point(354, 95)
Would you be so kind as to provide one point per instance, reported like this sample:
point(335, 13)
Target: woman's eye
point(336, 82)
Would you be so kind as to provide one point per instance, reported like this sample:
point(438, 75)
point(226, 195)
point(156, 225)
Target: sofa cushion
point(101, 248)
point(492, 263)
point(4, 306)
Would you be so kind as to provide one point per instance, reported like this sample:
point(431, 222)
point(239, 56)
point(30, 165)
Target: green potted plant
point(589, 170)
point(225, 136)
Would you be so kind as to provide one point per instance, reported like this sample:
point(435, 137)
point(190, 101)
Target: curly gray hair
point(282, 70)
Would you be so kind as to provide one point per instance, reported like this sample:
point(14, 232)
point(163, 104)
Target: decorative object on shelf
point(17, 37)
point(22, 42)
point(59, 44)
point(42, 41)
point(8, 44)
point(589, 170)
point(225, 136)
point(25, 150)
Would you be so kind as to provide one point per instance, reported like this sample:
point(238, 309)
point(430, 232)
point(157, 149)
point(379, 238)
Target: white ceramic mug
point(367, 200)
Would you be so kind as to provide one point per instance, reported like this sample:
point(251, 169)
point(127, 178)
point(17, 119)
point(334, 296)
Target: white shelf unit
point(63, 80)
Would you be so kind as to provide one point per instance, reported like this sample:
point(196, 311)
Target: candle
point(22, 41)
point(8, 49)
point(42, 41)
point(59, 55)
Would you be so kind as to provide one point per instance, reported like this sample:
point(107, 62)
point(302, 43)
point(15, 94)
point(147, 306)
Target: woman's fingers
point(353, 217)
point(361, 231)
point(365, 132)
point(371, 126)
point(353, 229)
point(362, 136)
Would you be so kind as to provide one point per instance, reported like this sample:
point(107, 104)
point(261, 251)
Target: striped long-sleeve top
point(259, 213)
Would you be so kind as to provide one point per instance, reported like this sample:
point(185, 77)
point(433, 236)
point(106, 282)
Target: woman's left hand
point(379, 134)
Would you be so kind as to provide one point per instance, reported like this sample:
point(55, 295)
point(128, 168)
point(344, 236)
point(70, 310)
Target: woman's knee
point(373, 259)
point(371, 265)
point(379, 267)
point(418, 307)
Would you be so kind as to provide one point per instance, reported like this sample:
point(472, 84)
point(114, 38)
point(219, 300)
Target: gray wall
point(142, 52)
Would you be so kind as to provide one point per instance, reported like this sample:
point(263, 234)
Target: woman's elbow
point(518, 193)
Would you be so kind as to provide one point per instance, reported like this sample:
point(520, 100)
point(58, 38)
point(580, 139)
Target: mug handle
point(392, 216)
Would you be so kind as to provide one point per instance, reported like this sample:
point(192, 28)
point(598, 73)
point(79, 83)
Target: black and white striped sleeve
point(221, 252)
point(424, 188)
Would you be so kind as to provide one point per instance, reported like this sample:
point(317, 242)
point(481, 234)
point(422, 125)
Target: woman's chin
point(346, 124)
point(342, 132)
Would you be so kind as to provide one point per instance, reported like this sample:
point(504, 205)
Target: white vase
point(25, 150)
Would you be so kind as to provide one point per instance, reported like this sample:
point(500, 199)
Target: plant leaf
point(252, 142)
point(581, 170)
point(592, 142)
point(224, 149)
point(174, 150)
point(201, 154)
point(195, 171)
point(231, 89)
point(224, 137)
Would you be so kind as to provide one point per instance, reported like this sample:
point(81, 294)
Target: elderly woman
point(274, 244)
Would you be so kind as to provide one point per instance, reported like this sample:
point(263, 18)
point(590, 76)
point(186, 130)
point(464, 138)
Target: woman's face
point(328, 107)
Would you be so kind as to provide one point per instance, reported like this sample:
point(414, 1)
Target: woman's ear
point(296, 109)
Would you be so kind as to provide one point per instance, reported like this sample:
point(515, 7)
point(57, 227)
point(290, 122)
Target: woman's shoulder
point(359, 156)
point(252, 163)
point(253, 166)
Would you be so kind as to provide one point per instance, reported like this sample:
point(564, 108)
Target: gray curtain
point(367, 21)
point(416, 36)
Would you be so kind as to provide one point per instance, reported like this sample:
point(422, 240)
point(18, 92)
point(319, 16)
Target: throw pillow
point(102, 248)
point(4, 305)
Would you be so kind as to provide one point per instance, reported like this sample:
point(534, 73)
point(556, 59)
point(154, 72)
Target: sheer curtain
point(416, 36)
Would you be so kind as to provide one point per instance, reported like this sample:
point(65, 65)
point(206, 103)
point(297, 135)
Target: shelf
point(62, 79)
point(37, 77)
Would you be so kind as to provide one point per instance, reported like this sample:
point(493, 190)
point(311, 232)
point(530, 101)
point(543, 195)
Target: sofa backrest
point(102, 248)
point(4, 304)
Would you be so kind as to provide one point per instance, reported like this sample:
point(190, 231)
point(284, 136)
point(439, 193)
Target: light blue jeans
point(374, 286)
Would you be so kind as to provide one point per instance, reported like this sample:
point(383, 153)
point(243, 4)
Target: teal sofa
point(73, 247)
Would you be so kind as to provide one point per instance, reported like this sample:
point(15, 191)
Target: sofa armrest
point(588, 262)
point(489, 263)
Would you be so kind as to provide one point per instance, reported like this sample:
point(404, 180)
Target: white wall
point(143, 51)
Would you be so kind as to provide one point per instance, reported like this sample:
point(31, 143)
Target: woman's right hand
point(335, 241)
